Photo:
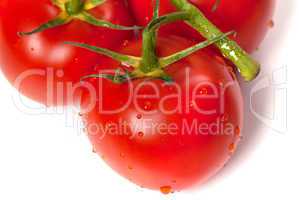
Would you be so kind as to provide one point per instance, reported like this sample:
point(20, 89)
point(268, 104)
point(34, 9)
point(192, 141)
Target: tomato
point(40, 65)
point(251, 19)
point(166, 135)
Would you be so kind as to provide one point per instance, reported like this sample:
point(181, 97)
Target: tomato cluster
point(167, 128)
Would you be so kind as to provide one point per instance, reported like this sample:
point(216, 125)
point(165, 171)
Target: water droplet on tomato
point(166, 189)
point(147, 106)
point(140, 134)
point(192, 104)
point(125, 43)
point(237, 131)
point(59, 73)
point(109, 125)
point(271, 23)
point(170, 87)
point(139, 116)
point(224, 118)
point(130, 167)
point(232, 147)
point(221, 84)
point(203, 91)
point(122, 155)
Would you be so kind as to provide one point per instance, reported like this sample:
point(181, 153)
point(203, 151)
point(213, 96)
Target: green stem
point(61, 19)
point(149, 58)
point(58, 4)
point(150, 65)
point(166, 61)
point(88, 18)
point(124, 59)
point(115, 78)
point(74, 6)
point(90, 4)
point(166, 19)
point(150, 61)
point(77, 9)
point(156, 9)
point(248, 67)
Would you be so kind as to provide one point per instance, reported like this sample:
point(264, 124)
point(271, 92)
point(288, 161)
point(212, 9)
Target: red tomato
point(147, 140)
point(41, 64)
point(249, 18)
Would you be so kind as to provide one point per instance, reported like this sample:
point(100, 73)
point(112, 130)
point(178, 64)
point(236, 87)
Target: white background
point(41, 157)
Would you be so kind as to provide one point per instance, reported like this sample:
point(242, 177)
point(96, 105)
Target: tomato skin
point(154, 159)
point(251, 19)
point(46, 50)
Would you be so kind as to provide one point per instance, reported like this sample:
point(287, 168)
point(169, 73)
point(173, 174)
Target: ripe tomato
point(40, 64)
point(161, 135)
point(249, 18)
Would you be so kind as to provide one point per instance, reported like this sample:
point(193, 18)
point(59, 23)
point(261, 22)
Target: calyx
point(149, 65)
point(77, 9)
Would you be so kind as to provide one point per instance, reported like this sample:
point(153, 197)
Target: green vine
point(149, 65)
point(248, 67)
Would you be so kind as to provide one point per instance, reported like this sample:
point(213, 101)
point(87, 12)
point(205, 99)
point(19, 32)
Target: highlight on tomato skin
point(152, 133)
point(251, 19)
point(43, 58)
